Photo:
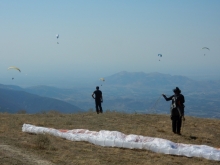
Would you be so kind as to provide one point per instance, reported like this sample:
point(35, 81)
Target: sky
point(102, 37)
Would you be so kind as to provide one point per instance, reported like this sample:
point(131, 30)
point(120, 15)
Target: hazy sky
point(102, 37)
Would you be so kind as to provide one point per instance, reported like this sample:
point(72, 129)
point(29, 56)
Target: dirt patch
point(11, 155)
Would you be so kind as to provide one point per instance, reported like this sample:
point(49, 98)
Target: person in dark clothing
point(97, 95)
point(177, 109)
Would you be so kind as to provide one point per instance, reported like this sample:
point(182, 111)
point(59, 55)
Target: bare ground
point(12, 155)
point(19, 148)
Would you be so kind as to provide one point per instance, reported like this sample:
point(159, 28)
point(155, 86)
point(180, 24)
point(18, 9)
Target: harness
point(175, 105)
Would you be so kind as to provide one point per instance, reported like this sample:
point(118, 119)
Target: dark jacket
point(98, 95)
point(177, 106)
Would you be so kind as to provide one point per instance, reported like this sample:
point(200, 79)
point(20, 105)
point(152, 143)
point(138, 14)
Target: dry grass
point(61, 151)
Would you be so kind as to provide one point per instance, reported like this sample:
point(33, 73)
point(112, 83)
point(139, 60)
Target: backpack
point(177, 106)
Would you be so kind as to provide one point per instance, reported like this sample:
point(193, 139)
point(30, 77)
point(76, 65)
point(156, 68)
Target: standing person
point(97, 95)
point(177, 109)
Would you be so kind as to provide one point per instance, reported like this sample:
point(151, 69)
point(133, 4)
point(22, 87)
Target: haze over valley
point(130, 92)
point(141, 48)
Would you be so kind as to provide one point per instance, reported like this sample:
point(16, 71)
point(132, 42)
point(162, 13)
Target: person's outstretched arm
point(167, 99)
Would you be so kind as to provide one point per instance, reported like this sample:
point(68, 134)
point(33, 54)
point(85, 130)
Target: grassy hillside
point(60, 151)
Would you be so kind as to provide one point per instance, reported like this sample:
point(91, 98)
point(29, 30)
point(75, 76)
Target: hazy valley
point(128, 92)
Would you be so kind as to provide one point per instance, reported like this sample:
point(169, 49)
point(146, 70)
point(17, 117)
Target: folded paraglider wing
point(107, 138)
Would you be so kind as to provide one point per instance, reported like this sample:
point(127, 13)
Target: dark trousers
point(176, 124)
point(98, 106)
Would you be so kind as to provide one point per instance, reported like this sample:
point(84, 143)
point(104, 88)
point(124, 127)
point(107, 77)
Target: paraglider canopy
point(14, 67)
point(159, 55)
point(102, 79)
point(206, 49)
point(57, 36)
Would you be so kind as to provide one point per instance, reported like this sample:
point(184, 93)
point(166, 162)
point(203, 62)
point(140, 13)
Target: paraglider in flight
point(102, 79)
point(57, 36)
point(206, 49)
point(13, 67)
point(159, 55)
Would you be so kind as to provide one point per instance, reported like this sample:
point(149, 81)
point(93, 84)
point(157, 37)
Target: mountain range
point(137, 92)
point(14, 99)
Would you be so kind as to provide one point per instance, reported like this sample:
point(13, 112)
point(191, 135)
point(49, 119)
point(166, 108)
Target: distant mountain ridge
point(154, 79)
point(14, 99)
point(13, 87)
point(138, 91)
point(161, 82)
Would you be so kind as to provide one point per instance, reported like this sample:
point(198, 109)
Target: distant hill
point(139, 91)
point(160, 81)
point(13, 87)
point(12, 101)
point(146, 79)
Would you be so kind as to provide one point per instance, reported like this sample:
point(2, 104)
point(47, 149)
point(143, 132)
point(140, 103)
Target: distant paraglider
point(14, 68)
point(206, 49)
point(102, 79)
point(160, 56)
point(57, 36)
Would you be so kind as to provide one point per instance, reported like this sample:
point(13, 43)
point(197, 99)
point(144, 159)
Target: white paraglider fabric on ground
point(118, 139)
